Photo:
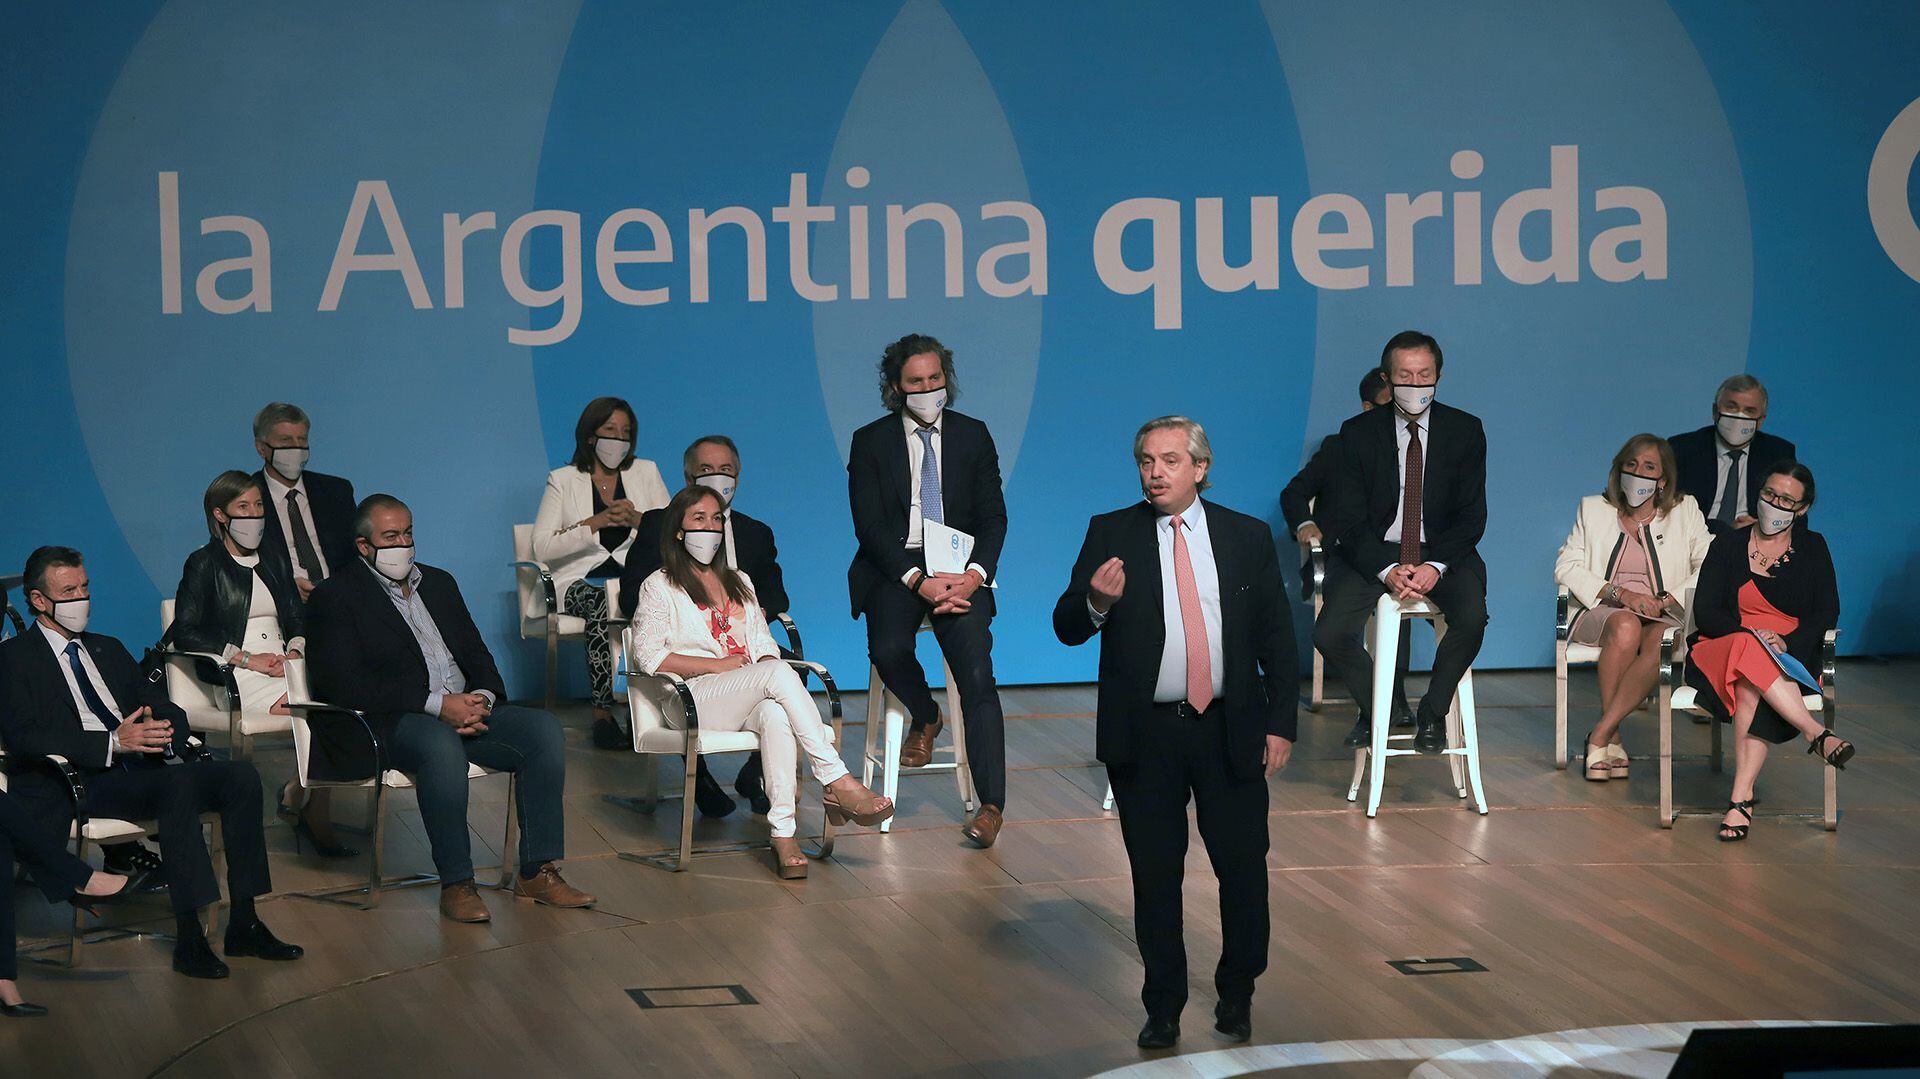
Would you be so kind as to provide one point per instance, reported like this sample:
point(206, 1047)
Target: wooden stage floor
point(913, 954)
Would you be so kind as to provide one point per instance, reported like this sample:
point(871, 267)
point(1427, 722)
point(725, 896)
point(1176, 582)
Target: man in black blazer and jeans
point(79, 695)
point(925, 462)
point(309, 514)
point(1408, 506)
point(393, 639)
point(1198, 699)
point(1721, 465)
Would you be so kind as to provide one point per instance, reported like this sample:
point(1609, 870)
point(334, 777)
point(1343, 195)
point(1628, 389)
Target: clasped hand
point(466, 713)
point(949, 593)
point(271, 664)
point(1407, 582)
point(618, 514)
point(142, 733)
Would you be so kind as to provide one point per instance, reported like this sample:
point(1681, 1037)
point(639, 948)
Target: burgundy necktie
point(1410, 499)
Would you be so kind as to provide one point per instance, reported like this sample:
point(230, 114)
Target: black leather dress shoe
point(1431, 735)
point(751, 784)
point(195, 959)
point(1233, 1020)
point(707, 795)
point(1158, 1033)
point(1360, 735)
point(23, 1010)
point(258, 941)
point(1402, 715)
point(607, 734)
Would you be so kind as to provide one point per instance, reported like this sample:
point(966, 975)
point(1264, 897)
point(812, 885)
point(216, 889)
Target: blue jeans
point(524, 741)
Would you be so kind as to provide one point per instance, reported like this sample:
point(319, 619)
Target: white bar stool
point(1463, 736)
point(885, 714)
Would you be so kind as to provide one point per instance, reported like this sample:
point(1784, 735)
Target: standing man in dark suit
point(394, 639)
point(79, 695)
point(924, 462)
point(1198, 699)
point(714, 461)
point(1297, 500)
point(1408, 506)
point(309, 515)
point(1721, 465)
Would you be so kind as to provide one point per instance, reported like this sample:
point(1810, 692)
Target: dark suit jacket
point(755, 552)
point(210, 607)
point(880, 493)
point(361, 654)
point(1297, 496)
point(1695, 456)
point(1804, 587)
point(1364, 494)
point(38, 716)
point(332, 504)
point(1256, 631)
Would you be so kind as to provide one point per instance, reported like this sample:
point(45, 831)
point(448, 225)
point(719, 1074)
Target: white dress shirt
point(88, 721)
point(1171, 685)
point(914, 520)
point(277, 491)
point(1722, 461)
point(1401, 438)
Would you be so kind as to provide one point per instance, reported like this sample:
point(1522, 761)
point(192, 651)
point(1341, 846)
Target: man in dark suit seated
point(1198, 699)
point(79, 695)
point(1297, 500)
point(1721, 465)
point(393, 639)
point(1406, 510)
point(922, 464)
point(714, 461)
point(309, 514)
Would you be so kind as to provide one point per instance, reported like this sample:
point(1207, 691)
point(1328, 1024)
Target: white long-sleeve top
point(666, 621)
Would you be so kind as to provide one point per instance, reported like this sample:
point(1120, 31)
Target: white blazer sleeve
point(1574, 566)
point(552, 540)
point(645, 489)
point(653, 624)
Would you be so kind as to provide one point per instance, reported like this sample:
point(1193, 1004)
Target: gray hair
point(1198, 447)
point(687, 460)
point(1740, 383)
point(277, 412)
point(363, 514)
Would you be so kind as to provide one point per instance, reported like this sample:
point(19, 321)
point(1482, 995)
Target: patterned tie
point(930, 508)
point(87, 693)
point(1410, 499)
point(1730, 491)
point(1193, 622)
point(306, 558)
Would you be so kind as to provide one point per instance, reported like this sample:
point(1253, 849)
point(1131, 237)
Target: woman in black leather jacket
point(237, 600)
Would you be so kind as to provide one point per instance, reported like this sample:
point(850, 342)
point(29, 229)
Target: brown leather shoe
point(461, 903)
point(916, 751)
point(985, 826)
point(548, 887)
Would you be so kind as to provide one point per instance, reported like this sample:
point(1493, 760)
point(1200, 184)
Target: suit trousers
point(174, 796)
point(769, 699)
point(1462, 599)
point(524, 741)
point(44, 851)
point(966, 640)
point(1176, 758)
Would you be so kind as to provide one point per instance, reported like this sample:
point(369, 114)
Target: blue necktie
point(930, 508)
point(87, 693)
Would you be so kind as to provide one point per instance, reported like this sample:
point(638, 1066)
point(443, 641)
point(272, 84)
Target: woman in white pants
point(698, 619)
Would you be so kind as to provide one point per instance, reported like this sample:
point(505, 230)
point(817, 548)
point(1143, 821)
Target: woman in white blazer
point(698, 619)
point(1634, 552)
point(586, 523)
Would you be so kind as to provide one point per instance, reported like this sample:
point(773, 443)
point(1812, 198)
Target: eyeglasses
point(1776, 498)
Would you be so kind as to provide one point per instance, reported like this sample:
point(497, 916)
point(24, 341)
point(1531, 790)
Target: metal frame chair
point(655, 701)
point(11, 624)
point(540, 615)
point(1463, 735)
point(888, 717)
point(1565, 654)
point(305, 711)
point(210, 708)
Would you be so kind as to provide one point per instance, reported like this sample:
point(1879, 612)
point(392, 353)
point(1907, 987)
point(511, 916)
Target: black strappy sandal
point(1839, 757)
point(1734, 833)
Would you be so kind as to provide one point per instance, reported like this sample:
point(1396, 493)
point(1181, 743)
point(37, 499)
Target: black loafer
point(751, 785)
point(1233, 1020)
point(1402, 716)
point(1360, 735)
point(707, 795)
point(1158, 1033)
point(608, 735)
point(258, 941)
point(23, 1010)
point(1431, 737)
point(196, 960)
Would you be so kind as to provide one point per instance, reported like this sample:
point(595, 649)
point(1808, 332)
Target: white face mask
point(702, 544)
point(1412, 400)
point(927, 404)
point(1637, 489)
point(612, 451)
point(71, 614)
point(247, 531)
point(720, 483)
point(1736, 430)
point(290, 461)
point(1772, 519)
point(393, 563)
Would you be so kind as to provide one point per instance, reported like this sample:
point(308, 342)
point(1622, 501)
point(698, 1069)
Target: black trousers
point(44, 851)
point(966, 640)
point(1461, 597)
point(174, 796)
point(1177, 757)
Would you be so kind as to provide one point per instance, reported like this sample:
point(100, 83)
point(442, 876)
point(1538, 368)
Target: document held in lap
point(947, 549)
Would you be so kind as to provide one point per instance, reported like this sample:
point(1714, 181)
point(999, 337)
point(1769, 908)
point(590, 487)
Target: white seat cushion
point(398, 779)
point(108, 830)
point(1686, 699)
point(569, 626)
point(215, 722)
point(1583, 653)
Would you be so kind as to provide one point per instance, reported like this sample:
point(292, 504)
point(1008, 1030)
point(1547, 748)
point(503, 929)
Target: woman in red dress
point(1765, 589)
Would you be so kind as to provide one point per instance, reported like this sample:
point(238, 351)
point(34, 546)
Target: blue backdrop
point(441, 227)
